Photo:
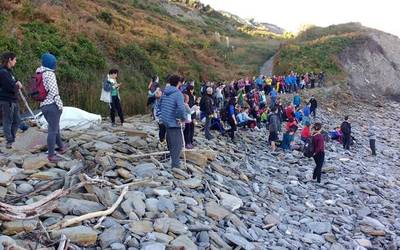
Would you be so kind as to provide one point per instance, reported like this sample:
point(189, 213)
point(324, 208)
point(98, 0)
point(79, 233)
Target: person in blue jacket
point(172, 110)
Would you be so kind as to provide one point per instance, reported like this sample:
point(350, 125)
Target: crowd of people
point(247, 104)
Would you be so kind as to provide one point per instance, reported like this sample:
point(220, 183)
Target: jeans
point(372, 146)
point(115, 105)
point(319, 161)
point(175, 144)
point(52, 115)
point(11, 119)
point(161, 132)
point(188, 133)
point(207, 128)
point(346, 141)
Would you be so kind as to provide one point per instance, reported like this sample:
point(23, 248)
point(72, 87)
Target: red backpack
point(37, 89)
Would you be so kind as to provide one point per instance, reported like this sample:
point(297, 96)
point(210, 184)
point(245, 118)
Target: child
point(305, 133)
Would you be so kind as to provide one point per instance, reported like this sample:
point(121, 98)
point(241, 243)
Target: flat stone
point(5, 178)
point(124, 173)
point(320, 227)
point(24, 188)
point(230, 202)
point(161, 192)
point(78, 207)
point(218, 240)
point(18, 226)
point(215, 211)
point(45, 175)
point(99, 145)
point(372, 222)
point(165, 204)
point(165, 225)
point(153, 246)
point(145, 170)
point(141, 227)
point(185, 242)
point(337, 246)
point(31, 140)
point(313, 238)
point(35, 162)
point(192, 183)
point(81, 235)
point(163, 238)
point(272, 219)
point(152, 204)
point(239, 241)
point(114, 234)
point(277, 188)
point(364, 243)
point(117, 246)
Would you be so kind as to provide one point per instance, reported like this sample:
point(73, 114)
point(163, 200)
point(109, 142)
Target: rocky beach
point(226, 196)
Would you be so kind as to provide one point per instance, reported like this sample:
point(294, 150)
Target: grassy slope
point(316, 49)
point(137, 36)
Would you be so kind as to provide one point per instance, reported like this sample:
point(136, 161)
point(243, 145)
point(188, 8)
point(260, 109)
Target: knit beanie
point(49, 61)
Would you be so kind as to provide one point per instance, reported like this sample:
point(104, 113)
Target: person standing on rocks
point(207, 106)
point(9, 87)
point(319, 151)
point(274, 124)
point(313, 106)
point(115, 105)
point(372, 137)
point(172, 110)
point(346, 131)
point(52, 107)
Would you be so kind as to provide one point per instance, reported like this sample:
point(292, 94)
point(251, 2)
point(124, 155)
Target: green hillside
point(316, 49)
point(141, 38)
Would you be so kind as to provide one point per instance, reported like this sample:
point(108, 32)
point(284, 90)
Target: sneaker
point(54, 158)
point(62, 150)
point(189, 146)
point(9, 145)
point(113, 125)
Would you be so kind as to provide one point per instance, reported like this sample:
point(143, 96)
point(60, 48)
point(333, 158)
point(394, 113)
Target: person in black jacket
point(313, 106)
point(346, 131)
point(207, 106)
point(9, 87)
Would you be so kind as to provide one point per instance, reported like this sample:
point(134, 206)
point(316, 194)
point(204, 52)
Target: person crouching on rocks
point(172, 115)
point(319, 151)
point(52, 107)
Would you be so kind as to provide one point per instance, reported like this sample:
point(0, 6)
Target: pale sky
point(292, 14)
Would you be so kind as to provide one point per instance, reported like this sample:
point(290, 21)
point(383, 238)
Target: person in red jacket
point(289, 112)
point(305, 132)
point(319, 151)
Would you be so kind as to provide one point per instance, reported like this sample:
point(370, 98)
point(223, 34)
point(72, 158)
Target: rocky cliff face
point(373, 66)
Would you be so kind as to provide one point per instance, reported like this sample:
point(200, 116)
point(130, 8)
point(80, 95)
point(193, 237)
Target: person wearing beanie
point(52, 107)
point(9, 86)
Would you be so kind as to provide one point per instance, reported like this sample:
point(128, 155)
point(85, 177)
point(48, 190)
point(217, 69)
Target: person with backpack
point(172, 110)
point(313, 106)
point(207, 107)
point(273, 126)
point(9, 87)
point(115, 105)
point(319, 151)
point(52, 107)
point(345, 127)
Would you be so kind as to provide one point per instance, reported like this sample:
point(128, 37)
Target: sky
point(293, 14)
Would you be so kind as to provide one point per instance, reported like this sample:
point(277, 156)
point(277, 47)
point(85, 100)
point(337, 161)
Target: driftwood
point(63, 243)
point(66, 223)
point(48, 203)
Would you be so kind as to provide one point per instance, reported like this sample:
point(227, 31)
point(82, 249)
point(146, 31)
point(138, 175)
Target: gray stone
point(161, 237)
point(81, 235)
point(313, 238)
point(192, 183)
point(99, 145)
point(215, 211)
point(153, 246)
point(5, 178)
point(114, 234)
point(165, 225)
point(272, 219)
point(239, 241)
point(18, 226)
point(320, 227)
point(230, 202)
point(372, 222)
point(364, 243)
point(24, 188)
point(165, 204)
point(337, 246)
point(78, 207)
point(117, 246)
point(145, 170)
point(277, 188)
point(152, 204)
point(184, 241)
point(141, 227)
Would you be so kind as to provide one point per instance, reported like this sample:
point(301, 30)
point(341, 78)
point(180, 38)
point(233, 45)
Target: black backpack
point(308, 150)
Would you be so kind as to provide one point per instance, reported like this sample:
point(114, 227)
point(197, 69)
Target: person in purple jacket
point(319, 151)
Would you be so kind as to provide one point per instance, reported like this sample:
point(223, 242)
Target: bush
point(105, 17)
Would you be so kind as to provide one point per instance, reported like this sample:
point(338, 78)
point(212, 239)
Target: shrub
point(105, 17)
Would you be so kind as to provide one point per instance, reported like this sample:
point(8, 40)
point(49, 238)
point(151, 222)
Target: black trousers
point(313, 111)
point(372, 146)
point(115, 105)
point(346, 141)
point(162, 130)
point(231, 131)
point(319, 161)
point(189, 133)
